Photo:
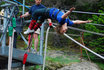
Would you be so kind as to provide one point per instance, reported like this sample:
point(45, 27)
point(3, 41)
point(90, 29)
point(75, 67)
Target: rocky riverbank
point(58, 60)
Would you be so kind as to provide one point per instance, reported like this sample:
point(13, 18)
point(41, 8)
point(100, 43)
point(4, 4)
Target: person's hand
point(88, 21)
point(19, 17)
point(73, 8)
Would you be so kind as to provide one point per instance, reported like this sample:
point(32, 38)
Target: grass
point(62, 60)
point(101, 65)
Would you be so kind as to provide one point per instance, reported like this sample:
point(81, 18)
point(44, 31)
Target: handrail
point(85, 31)
point(84, 46)
point(91, 13)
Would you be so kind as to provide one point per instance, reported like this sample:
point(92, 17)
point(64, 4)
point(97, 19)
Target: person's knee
point(35, 35)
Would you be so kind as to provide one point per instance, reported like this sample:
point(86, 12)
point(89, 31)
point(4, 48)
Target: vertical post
point(4, 37)
point(23, 7)
point(81, 47)
point(82, 39)
point(41, 38)
point(0, 20)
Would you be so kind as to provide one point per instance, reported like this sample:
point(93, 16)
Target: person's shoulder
point(33, 5)
point(42, 5)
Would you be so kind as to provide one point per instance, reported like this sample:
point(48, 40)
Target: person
point(56, 14)
point(37, 5)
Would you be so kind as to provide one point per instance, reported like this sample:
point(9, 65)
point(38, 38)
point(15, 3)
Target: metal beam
point(18, 55)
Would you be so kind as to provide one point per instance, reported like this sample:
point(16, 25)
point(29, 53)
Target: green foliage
point(101, 65)
point(94, 41)
point(99, 44)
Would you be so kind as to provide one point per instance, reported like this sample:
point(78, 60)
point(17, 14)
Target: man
point(58, 15)
point(37, 5)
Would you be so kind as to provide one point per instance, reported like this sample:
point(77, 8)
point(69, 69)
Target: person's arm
point(81, 22)
point(25, 15)
point(67, 13)
point(49, 21)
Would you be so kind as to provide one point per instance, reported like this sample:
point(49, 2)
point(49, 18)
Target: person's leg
point(39, 23)
point(32, 23)
point(29, 30)
point(36, 34)
point(30, 37)
point(37, 26)
point(35, 41)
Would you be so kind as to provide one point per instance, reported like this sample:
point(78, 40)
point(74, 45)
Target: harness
point(55, 16)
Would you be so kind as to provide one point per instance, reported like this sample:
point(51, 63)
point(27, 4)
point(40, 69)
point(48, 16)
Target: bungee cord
point(45, 50)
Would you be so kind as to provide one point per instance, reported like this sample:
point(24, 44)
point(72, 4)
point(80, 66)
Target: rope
point(67, 34)
point(10, 51)
point(85, 31)
point(82, 30)
point(95, 24)
point(84, 46)
point(45, 50)
point(87, 12)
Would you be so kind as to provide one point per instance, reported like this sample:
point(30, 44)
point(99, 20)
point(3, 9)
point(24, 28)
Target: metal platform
point(32, 59)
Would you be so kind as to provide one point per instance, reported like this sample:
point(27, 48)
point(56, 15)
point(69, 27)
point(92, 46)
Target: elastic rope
point(45, 48)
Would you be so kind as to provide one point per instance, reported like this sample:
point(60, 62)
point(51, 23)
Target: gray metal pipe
point(84, 46)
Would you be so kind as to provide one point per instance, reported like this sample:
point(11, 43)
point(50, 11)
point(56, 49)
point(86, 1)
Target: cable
point(82, 30)
point(88, 12)
point(45, 48)
point(84, 46)
point(85, 31)
point(95, 24)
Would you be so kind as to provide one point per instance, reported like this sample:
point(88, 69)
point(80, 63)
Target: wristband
point(21, 16)
point(50, 24)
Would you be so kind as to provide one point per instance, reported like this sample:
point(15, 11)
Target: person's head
point(37, 2)
point(61, 29)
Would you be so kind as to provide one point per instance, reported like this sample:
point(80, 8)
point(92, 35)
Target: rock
point(54, 53)
point(81, 66)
